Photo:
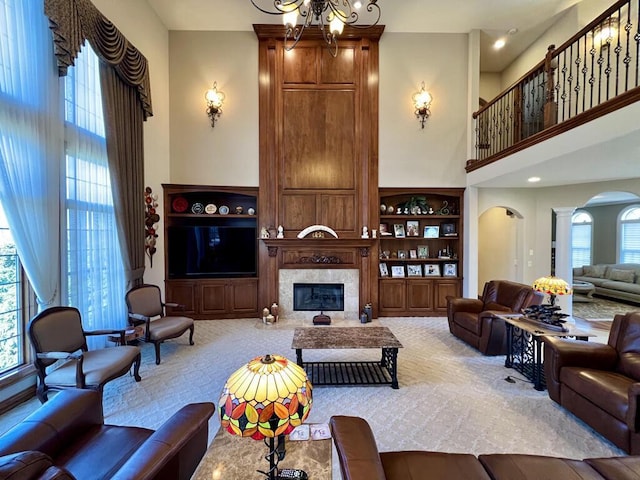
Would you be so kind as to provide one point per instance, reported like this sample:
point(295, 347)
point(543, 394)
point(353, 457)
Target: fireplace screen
point(318, 296)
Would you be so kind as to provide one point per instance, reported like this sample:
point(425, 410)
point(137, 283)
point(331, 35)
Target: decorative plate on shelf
point(197, 208)
point(210, 208)
point(223, 210)
point(179, 204)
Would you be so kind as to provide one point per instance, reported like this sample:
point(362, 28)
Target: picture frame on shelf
point(448, 230)
point(398, 230)
point(431, 231)
point(423, 251)
point(413, 254)
point(402, 254)
point(450, 270)
point(431, 270)
point(397, 271)
point(413, 228)
point(384, 270)
point(384, 230)
point(414, 270)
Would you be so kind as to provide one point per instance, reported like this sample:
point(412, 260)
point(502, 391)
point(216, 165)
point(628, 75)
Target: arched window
point(629, 228)
point(581, 236)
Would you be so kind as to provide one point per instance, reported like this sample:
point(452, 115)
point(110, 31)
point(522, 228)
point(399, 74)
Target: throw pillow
point(595, 271)
point(622, 275)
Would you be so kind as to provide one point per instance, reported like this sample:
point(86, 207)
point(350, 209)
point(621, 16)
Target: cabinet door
point(183, 293)
point(443, 289)
point(212, 298)
point(244, 296)
point(393, 295)
point(420, 295)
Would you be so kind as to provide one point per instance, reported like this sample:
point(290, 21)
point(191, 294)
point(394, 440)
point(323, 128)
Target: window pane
point(11, 330)
point(581, 235)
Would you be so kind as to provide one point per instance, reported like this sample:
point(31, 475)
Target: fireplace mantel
point(321, 245)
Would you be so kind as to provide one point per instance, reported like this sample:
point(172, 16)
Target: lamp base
point(322, 319)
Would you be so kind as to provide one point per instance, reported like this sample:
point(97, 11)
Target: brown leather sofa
point(473, 321)
point(598, 383)
point(66, 438)
point(360, 460)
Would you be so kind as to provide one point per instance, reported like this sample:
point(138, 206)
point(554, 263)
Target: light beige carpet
point(451, 398)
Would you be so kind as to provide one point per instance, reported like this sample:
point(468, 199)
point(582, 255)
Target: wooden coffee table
point(381, 372)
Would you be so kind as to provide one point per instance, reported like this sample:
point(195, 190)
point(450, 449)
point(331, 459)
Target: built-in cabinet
point(420, 254)
point(211, 250)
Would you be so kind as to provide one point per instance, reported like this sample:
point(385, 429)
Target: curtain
point(31, 143)
point(127, 103)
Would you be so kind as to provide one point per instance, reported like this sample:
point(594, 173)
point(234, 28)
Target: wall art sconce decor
point(215, 99)
point(334, 14)
point(605, 32)
point(422, 104)
point(151, 217)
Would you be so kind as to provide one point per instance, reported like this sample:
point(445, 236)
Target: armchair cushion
point(25, 465)
point(169, 327)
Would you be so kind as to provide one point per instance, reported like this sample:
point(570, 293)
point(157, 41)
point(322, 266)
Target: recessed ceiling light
point(533, 179)
point(499, 43)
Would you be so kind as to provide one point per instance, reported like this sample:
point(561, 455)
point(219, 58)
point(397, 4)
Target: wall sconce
point(422, 103)
point(605, 33)
point(215, 98)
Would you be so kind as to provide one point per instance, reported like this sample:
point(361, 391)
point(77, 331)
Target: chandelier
point(329, 15)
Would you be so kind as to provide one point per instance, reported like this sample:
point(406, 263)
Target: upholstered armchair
point(474, 321)
point(56, 335)
point(598, 383)
point(147, 309)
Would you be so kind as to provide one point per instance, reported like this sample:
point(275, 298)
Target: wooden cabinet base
point(212, 299)
point(404, 297)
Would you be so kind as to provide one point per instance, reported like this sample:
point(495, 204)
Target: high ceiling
point(494, 17)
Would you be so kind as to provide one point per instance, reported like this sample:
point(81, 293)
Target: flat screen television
point(209, 252)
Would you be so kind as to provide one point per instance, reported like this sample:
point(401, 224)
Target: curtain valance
point(74, 21)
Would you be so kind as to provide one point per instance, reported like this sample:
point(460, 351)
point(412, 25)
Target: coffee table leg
point(299, 357)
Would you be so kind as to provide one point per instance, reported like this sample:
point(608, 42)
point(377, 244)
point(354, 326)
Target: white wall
point(228, 153)
point(490, 85)
point(409, 155)
point(498, 240)
point(139, 23)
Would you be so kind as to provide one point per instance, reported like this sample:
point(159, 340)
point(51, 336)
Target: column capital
point(564, 211)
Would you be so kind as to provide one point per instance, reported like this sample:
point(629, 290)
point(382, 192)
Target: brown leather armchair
point(598, 383)
point(56, 334)
point(473, 320)
point(146, 308)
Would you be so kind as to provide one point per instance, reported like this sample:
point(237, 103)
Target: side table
point(230, 456)
point(130, 334)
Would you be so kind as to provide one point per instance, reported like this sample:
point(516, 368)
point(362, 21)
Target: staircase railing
point(594, 73)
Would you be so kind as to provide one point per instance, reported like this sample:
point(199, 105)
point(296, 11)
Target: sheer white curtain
point(95, 273)
point(31, 142)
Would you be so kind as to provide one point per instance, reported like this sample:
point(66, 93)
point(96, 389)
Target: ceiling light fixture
point(329, 15)
point(533, 179)
point(501, 42)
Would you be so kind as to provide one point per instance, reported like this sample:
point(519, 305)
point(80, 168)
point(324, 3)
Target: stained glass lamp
point(265, 399)
point(552, 286)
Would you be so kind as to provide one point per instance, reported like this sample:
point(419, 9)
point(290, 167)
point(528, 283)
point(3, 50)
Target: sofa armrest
point(356, 447)
point(175, 449)
point(633, 413)
point(464, 305)
point(57, 423)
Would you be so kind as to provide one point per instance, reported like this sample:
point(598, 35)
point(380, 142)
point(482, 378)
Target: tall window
point(95, 275)
point(630, 235)
point(11, 326)
point(581, 238)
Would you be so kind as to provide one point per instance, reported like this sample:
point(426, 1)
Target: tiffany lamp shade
point(552, 286)
point(265, 399)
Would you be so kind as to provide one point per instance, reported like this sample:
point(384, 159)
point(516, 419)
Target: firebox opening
point(318, 297)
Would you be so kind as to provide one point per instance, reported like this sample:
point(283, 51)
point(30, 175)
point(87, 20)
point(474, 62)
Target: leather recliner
point(66, 438)
point(474, 321)
point(598, 383)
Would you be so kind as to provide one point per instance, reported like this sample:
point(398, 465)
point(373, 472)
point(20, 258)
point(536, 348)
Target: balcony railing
point(595, 72)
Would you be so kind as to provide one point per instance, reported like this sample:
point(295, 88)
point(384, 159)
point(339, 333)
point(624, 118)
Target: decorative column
point(563, 254)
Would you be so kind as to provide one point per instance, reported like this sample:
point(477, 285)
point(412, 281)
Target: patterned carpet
point(602, 309)
point(451, 398)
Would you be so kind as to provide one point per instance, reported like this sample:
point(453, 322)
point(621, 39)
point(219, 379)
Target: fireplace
point(318, 297)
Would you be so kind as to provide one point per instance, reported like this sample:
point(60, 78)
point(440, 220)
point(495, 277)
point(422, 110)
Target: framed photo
point(431, 231)
point(432, 270)
point(384, 230)
point(448, 230)
point(384, 271)
point(450, 270)
point(423, 251)
point(414, 270)
point(413, 254)
point(398, 230)
point(413, 228)
point(402, 254)
point(397, 271)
